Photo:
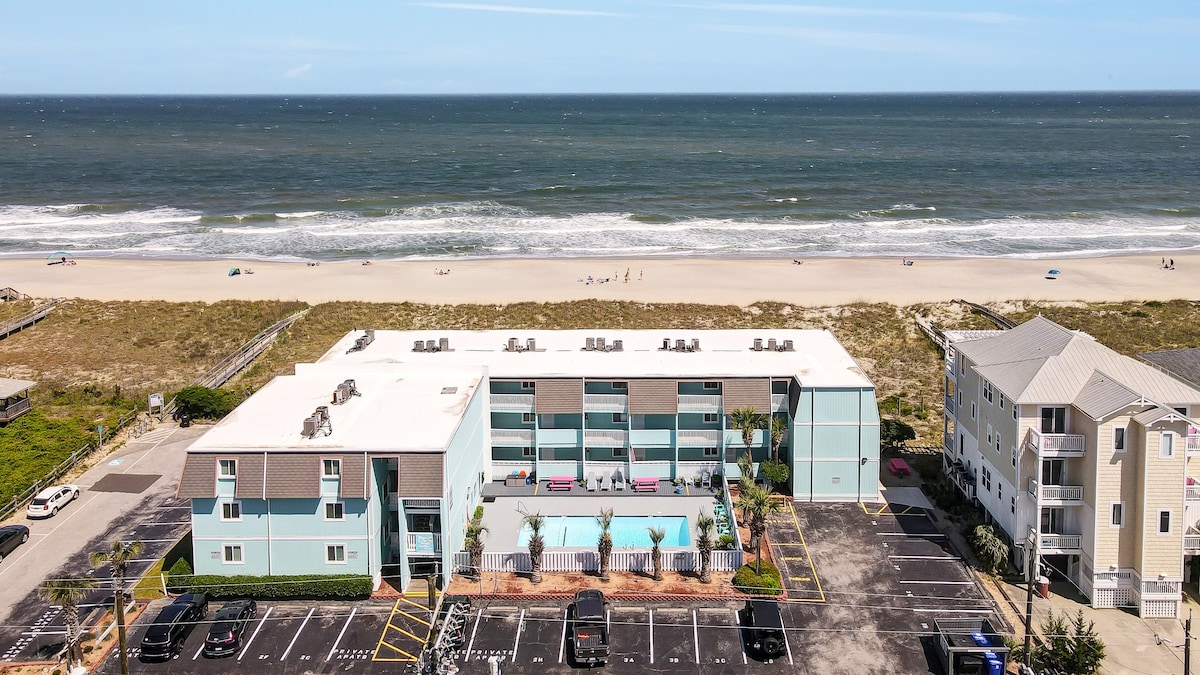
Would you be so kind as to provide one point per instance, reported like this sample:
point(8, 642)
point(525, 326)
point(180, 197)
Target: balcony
point(423, 543)
point(650, 438)
point(1172, 589)
point(951, 406)
point(698, 438)
point(559, 438)
point(948, 443)
point(521, 438)
point(779, 402)
point(1049, 544)
point(1191, 544)
point(606, 438)
point(1057, 495)
point(610, 403)
point(699, 403)
point(1191, 493)
point(1056, 445)
point(1193, 446)
point(512, 403)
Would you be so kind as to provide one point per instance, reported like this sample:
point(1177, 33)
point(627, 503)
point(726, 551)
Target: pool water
point(626, 531)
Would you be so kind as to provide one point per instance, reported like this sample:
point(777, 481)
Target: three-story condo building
point(1085, 452)
point(371, 460)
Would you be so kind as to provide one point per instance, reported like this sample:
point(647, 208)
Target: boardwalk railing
point(999, 319)
point(28, 318)
point(10, 293)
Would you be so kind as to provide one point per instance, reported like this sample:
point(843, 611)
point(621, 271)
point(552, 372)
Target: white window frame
point(528, 451)
point(231, 463)
point(236, 503)
point(711, 386)
point(528, 384)
point(972, 409)
point(341, 506)
point(988, 395)
point(327, 463)
point(997, 442)
point(1159, 519)
point(621, 385)
point(528, 418)
point(1013, 452)
point(620, 418)
point(712, 418)
point(1013, 503)
point(989, 434)
point(331, 548)
point(1016, 414)
point(1166, 450)
point(1116, 515)
point(712, 452)
point(620, 452)
point(1000, 490)
point(1002, 400)
point(227, 549)
point(1120, 439)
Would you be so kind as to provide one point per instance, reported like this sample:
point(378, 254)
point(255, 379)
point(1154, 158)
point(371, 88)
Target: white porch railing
point(1056, 445)
point(617, 403)
point(1060, 542)
point(512, 437)
point(1192, 493)
point(1173, 588)
point(589, 561)
point(1193, 444)
point(606, 438)
point(699, 403)
point(698, 438)
point(512, 402)
point(503, 469)
point(423, 542)
point(693, 470)
point(1191, 544)
point(1062, 493)
point(948, 443)
point(950, 405)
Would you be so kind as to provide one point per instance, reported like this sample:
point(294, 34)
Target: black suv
point(12, 536)
point(764, 625)
point(229, 627)
point(164, 638)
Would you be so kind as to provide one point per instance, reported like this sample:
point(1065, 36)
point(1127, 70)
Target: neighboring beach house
point(371, 460)
point(14, 398)
point(1059, 437)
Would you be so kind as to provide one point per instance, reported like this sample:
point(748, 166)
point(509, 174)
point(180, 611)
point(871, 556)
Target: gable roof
point(1183, 363)
point(1039, 361)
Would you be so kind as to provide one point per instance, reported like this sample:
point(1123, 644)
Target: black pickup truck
point(589, 630)
point(764, 626)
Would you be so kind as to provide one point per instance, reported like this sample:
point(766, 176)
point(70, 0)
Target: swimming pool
point(626, 531)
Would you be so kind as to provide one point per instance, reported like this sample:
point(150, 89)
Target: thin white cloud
point(298, 71)
point(823, 10)
point(842, 39)
point(513, 9)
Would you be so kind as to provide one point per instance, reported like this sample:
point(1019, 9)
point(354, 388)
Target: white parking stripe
point(471, 644)
point(562, 644)
point(297, 635)
point(931, 610)
point(651, 612)
point(741, 643)
point(517, 641)
point(253, 635)
point(924, 557)
point(197, 654)
point(788, 644)
point(339, 637)
point(933, 582)
point(696, 636)
point(911, 536)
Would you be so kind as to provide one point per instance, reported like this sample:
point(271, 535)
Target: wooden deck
point(28, 318)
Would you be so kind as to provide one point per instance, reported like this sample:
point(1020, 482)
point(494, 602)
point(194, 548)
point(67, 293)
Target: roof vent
point(772, 345)
point(513, 345)
point(365, 339)
point(757, 345)
point(589, 345)
point(418, 345)
point(318, 423)
point(344, 391)
point(789, 346)
point(618, 345)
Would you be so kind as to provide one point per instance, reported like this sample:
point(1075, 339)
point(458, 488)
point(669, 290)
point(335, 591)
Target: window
point(527, 385)
point(1118, 514)
point(528, 418)
point(1013, 452)
point(987, 478)
point(1166, 447)
point(1164, 522)
point(231, 554)
point(620, 418)
point(989, 434)
point(620, 452)
point(1016, 414)
point(997, 441)
point(712, 417)
point(962, 367)
point(335, 553)
point(1012, 504)
point(1000, 491)
point(972, 409)
point(987, 391)
point(331, 468)
point(231, 510)
point(227, 468)
point(1002, 401)
point(1119, 439)
point(1182, 410)
point(621, 385)
point(527, 451)
point(712, 385)
point(710, 452)
point(1054, 421)
point(335, 511)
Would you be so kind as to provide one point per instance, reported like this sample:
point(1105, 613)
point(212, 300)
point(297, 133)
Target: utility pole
point(1031, 564)
point(1187, 645)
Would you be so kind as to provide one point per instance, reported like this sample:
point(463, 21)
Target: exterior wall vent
point(318, 423)
point(344, 392)
point(361, 343)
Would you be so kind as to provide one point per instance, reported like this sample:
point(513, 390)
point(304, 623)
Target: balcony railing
point(423, 542)
point(698, 438)
point(699, 403)
point(1065, 494)
point(616, 403)
point(779, 402)
point(512, 402)
point(951, 407)
point(1193, 445)
point(512, 437)
point(607, 438)
point(1056, 445)
point(1192, 493)
point(12, 412)
point(1067, 543)
point(948, 443)
point(1191, 544)
point(1162, 588)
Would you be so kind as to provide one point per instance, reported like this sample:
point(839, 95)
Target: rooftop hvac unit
point(340, 395)
point(322, 411)
point(512, 345)
point(418, 345)
point(430, 346)
point(600, 344)
point(789, 346)
point(757, 345)
point(680, 345)
point(443, 344)
point(318, 422)
point(311, 424)
point(589, 345)
point(369, 333)
point(695, 344)
point(772, 345)
point(618, 345)
point(531, 345)
point(666, 344)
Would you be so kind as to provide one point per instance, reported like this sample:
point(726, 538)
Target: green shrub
point(776, 472)
point(178, 576)
point(478, 515)
point(725, 542)
point(769, 583)
point(204, 403)
point(305, 586)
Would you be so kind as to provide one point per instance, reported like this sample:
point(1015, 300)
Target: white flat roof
point(818, 359)
point(400, 409)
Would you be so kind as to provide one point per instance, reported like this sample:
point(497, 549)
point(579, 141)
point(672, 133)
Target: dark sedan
point(12, 536)
point(229, 627)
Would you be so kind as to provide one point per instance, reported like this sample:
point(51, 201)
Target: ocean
point(439, 178)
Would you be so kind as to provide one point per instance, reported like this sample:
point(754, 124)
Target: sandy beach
point(814, 282)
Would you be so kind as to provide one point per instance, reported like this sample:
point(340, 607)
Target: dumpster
point(1043, 587)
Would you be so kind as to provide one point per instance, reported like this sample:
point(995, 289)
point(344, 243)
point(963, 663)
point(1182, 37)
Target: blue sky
point(595, 46)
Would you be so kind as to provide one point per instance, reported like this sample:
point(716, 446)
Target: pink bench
point(899, 467)
point(645, 485)
point(560, 483)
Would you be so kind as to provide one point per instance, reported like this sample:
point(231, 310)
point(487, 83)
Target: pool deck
point(504, 507)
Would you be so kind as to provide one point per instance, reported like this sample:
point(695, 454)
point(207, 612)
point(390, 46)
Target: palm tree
point(747, 420)
point(604, 545)
point(760, 503)
point(67, 591)
point(474, 544)
point(657, 534)
point(117, 558)
point(704, 542)
point(778, 426)
point(536, 546)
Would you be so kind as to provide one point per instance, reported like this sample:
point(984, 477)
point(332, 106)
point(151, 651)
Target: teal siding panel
point(802, 480)
point(306, 518)
point(836, 405)
point(835, 480)
point(804, 409)
point(289, 556)
point(801, 442)
point(836, 442)
point(463, 472)
point(209, 557)
point(870, 407)
point(868, 486)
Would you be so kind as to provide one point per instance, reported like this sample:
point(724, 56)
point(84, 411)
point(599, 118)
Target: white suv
point(47, 502)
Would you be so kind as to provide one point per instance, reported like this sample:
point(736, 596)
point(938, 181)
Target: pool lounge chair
point(591, 483)
point(606, 483)
point(619, 481)
point(706, 479)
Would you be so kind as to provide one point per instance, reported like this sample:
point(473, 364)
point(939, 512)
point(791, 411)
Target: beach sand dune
point(815, 283)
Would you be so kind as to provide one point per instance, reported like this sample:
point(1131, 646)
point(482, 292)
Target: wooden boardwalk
point(28, 318)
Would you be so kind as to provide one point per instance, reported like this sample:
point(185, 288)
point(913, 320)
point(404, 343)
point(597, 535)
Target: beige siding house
point(1068, 445)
